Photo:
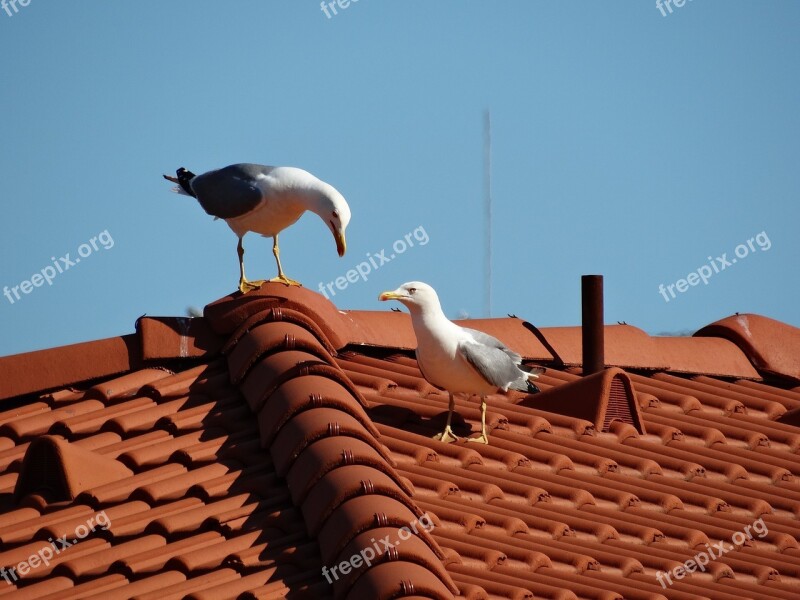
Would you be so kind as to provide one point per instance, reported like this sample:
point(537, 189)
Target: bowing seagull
point(265, 200)
point(458, 359)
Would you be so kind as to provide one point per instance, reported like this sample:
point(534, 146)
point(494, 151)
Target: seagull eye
point(412, 290)
point(335, 214)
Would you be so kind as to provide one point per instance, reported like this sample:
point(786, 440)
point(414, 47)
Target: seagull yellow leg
point(244, 285)
point(482, 438)
point(281, 278)
point(447, 435)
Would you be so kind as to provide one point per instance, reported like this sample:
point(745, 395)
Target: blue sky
point(625, 143)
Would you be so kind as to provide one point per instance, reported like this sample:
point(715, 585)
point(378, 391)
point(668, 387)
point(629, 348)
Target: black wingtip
point(532, 389)
point(184, 179)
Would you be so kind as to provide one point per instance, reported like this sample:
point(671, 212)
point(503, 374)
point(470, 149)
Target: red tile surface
point(236, 455)
point(771, 345)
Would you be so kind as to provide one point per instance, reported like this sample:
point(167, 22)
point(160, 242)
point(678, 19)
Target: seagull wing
point(494, 365)
point(497, 363)
point(493, 342)
point(231, 191)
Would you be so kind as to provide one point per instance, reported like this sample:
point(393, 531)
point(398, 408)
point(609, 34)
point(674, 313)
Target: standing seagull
point(265, 200)
point(460, 359)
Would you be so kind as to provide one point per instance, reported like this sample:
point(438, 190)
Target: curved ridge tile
point(772, 346)
point(625, 346)
point(344, 483)
point(382, 545)
point(311, 425)
point(381, 328)
point(711, 356)
point(399, 579)
point(297, 372)
point(269, 373)
point(312, 420)
point(303, 393)
point(280, 314)
point(361, 514)
point(268, 338)
point(228, 313)
point(329, 453)
point(60, 471)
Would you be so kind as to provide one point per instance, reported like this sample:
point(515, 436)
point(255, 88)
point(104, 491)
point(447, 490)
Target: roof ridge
point(227, 314)
point(312, 420)
point(770, 345)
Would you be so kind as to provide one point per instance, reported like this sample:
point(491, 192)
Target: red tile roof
point(238, 454)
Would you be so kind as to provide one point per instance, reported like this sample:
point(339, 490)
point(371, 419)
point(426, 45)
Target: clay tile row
point(313, 423)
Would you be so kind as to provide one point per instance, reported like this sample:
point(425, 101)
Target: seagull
point(265, 200)
point(458, 359)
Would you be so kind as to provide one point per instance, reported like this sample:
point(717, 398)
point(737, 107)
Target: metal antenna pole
point(487, 191)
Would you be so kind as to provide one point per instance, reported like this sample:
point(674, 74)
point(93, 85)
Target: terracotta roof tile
point(612, 393)
point(770, 345)
point(710, 356)
point(237, 455)
point(60, 471)
point(380, 328)
point(626, 346)
point(176, 337)
point(59, 367)
point(182, 589)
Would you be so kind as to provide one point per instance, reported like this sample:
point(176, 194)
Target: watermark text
point(375, 262)
point(43, 556)
point(8, 5)
point(60, 265)
point(715, 265)
point(330, 6)
point(378, 548)
point(666, 5)
point(701, 559)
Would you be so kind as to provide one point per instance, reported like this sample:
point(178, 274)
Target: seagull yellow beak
point(389, 296)
point(341, 242)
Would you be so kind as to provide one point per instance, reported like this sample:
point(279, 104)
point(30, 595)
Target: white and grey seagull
point(265, 200)
point(458, 359)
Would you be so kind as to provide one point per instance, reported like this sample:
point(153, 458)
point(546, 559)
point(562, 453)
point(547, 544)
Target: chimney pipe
point(592, 320)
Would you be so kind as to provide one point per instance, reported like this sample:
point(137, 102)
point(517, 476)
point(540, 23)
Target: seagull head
point(333, 209)
point(417, 296)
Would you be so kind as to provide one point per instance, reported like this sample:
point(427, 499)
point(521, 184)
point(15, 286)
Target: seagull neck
point(432, 317)
point(315, 200)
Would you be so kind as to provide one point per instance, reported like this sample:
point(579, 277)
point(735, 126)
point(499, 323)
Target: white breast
point(269, 218)
point(442, 364)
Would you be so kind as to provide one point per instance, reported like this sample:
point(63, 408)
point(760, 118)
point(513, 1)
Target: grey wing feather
point(493, 364)
point(493, 342)
point(231, 191)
